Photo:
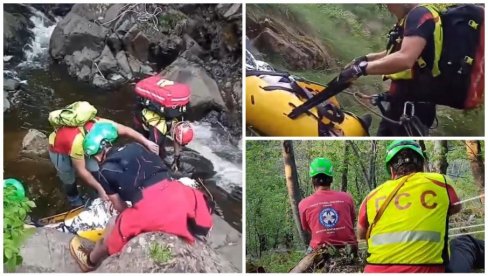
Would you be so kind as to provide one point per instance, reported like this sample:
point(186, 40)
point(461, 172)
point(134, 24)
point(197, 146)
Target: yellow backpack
point(73, 115)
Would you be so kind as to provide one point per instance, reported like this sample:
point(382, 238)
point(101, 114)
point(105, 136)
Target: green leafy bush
point(15, 211)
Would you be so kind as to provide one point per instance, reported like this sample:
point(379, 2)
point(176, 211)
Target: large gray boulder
point(205, 92)
point(226, 241)
point(107, 63)
point(6, 102)
point(10, 84)
point(192, 164)
point(35, 145)
point(16, 29)
point(91, 12)
point(183, 257)
point(47, 251)
point(73, 33)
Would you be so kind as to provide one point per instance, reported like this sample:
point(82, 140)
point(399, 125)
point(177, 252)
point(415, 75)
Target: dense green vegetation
point(349, 31)
point(272, 239)
point(15, 211)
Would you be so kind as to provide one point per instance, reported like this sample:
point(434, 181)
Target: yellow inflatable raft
point(270, 97)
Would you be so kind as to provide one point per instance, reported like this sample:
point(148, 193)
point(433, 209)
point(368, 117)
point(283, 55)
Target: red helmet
point(182, 133)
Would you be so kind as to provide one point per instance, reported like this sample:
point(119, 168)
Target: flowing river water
point(47, 86)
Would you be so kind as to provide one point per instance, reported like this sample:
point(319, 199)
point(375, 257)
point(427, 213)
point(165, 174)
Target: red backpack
point(168, 98)
point(477, 79)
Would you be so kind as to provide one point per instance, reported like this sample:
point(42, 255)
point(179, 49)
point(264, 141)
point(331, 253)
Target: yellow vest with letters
point(412, 229)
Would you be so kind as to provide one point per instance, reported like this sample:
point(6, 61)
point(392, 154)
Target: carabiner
point(412, 109)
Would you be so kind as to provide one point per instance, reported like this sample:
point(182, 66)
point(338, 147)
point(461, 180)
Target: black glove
point(353, 72)
point(356, 61)
point(175, 166)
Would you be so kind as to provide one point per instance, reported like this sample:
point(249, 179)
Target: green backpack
point(73, 115)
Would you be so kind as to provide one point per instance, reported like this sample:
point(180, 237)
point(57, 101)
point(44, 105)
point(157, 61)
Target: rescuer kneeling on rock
point(159, 203)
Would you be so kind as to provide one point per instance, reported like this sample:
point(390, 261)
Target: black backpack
point(461, 25)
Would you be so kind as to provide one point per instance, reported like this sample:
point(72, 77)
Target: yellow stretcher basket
point(92, 235)
point(269, 101)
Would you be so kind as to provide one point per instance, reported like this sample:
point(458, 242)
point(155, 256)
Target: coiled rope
point(142, 14)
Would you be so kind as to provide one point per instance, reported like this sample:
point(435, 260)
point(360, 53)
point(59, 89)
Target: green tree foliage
point(15, 211)
point(269, 221)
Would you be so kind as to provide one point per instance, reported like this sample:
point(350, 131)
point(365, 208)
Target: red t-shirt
point(329, 216)
point(370, 268)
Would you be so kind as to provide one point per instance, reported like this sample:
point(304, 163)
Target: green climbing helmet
point(321, 165)
point(396, 146)
point(101, 133)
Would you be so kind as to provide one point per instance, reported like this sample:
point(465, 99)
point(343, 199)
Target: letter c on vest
point(377, 202)
point(397, 201)
point(422, 199)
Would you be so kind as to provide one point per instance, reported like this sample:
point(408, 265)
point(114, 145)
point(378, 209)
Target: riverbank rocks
point(35, 145)
point(10, 84)
point(6, 102)
point(192, 164)
point(300, 51)
point(47, 251)
point(108, 45)
point(16, 29)
point(226, 241)
point(73, 33)
point(205, 92)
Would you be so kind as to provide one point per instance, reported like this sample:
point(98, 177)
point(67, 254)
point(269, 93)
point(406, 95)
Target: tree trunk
point(372, 162)
point(345, 169)
point(292, 186)
point(305, 264)
point(426, 160)
point(440, 159)
point(363, 168)
point(357, 184)
point(475, 156)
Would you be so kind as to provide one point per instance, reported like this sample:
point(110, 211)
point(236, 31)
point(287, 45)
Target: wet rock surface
point(16, 30)
point(35, 145)
point(205, 92)
point(192, 164)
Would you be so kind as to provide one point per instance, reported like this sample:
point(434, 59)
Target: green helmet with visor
point(101, 135)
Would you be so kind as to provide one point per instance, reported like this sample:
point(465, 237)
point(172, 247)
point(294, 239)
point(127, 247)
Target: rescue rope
point(469, 199)
point(469, 226)
point(407, 123)
point(142, 16)
point(358, 95)
point(465, 234)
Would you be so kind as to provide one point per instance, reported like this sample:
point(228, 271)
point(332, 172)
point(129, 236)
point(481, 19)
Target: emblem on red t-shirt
point(329, 217)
